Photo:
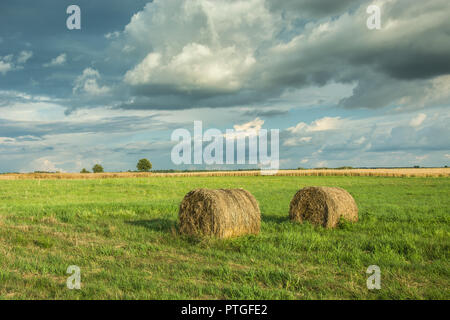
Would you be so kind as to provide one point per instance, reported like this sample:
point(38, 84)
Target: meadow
point(122, 233)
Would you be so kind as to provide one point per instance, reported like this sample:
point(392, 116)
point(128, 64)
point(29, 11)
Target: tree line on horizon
point(143, 165)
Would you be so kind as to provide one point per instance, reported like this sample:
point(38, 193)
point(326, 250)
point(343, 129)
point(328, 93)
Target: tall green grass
point(122, 233)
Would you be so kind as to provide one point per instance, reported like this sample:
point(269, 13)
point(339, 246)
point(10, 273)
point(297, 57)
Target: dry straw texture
point(323, 206)
point(406, 172)
point(222, 213)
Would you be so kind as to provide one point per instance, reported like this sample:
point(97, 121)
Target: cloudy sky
point(114, 91)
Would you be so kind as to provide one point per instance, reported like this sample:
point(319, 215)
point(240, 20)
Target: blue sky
point(114, 91)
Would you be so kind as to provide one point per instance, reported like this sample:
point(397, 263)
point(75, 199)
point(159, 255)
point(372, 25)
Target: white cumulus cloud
point(7, 62)
point(87, 83)
point(418, 120)
point(43, 164)
point(24, 56)
point(58, 61)
point(198, 45)
point(323, 124)
point(5, 66)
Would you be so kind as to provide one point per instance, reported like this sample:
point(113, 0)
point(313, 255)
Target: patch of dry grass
point(396, 172)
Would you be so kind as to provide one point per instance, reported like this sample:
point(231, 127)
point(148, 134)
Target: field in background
point(395, 172)
point(122, 233)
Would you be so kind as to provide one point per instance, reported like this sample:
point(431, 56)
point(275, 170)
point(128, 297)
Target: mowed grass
point(122, 233)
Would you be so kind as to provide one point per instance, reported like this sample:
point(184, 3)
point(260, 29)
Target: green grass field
point(122, 233)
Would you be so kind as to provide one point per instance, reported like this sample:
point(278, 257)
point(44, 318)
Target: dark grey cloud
point(47, 18)
point(313, 8)
point(265, 113)
point(434, 138)
point(375, 90)
point(40, 26)
point(158, 97)
point(412, 46)
point(395, 61)
point(37, 129)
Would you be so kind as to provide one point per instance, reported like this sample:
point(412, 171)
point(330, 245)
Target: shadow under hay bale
point(323, 206)
point(222, 213)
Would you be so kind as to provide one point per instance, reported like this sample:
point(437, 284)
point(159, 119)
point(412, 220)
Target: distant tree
point(144, 165)
point(97, 168)
point(84, 171)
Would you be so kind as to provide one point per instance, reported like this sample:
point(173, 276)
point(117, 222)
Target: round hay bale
point(323, 206)
point(222, 213)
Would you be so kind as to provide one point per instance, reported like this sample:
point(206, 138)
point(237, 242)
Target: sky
point(113, 92)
